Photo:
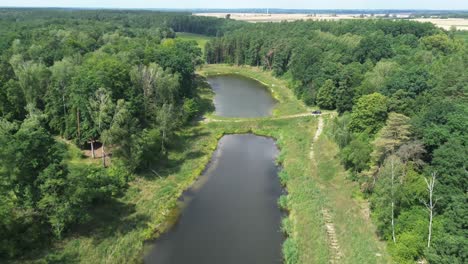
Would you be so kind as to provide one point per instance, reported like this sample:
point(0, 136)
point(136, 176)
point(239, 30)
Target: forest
point(400, 90)
point(98, 80)
point(120, 85)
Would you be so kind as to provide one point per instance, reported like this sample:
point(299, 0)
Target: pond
point(238, 96)
point(230, 215)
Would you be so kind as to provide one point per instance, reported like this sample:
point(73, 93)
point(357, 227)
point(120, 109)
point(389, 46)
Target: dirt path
point(318, 132)
point(335, 252)
point(209, 120)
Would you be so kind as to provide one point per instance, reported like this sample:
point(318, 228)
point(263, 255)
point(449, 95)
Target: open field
point(463, 35)
point(459, 23)
point(200, 39)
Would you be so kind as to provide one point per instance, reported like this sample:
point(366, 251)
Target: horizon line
point(237, 8)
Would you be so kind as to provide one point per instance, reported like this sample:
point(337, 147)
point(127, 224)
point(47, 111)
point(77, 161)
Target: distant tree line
point(400, 89)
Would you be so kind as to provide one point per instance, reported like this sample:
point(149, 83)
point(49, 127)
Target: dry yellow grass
point(459, 23)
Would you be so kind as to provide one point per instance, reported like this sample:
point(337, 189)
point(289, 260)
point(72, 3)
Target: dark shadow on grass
point(110, 218)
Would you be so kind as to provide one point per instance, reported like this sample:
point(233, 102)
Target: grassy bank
point(117, 230)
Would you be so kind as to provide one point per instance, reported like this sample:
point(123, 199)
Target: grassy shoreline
point(118, 231)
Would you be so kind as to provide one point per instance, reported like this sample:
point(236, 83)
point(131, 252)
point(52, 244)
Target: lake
point(238, 96)
point(230, 214)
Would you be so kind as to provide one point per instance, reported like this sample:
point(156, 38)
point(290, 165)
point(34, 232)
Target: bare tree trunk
point(431, 204)
point(92, 149)
point(163, 149)
point(430, 228)
point(103, 155)
point(78, 122)
point(393, 201)
point(64, 106)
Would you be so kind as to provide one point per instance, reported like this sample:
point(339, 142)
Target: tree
point(57, 96)
point(100, 109)
point(165, 118)
point(439, 42)
point(386, 196)
point(33, 79)
point(158, 87)
point(356, 154)
point(326, 95)
point(375, 47)
point(122, 133)
point(344, 97)
point(377, 78)
point(395, 133)
point(430, 205)
point(369, 114)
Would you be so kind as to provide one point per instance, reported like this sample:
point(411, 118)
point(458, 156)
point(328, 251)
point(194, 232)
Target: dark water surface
point(231, 214)
point(238, 96)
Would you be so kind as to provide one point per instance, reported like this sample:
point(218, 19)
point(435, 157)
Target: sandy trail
point(332, 237)
point(318, 132)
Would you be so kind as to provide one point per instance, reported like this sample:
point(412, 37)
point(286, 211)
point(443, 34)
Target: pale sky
point(290, 4)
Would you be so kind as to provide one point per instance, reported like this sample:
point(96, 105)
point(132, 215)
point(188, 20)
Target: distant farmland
point(445, 23)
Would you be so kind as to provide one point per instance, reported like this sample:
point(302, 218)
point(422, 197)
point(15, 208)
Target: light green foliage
point(166, 120)
point(326, 95)
point(340, 130)
point(387, 190)
point(200, 39)
point(439, 42)
point(32, 77)
point(369, 114)
point(100, 110)
point(191, 108)
point(57, 98)
point(377, 78)
point(290, 251)
point(122, 133)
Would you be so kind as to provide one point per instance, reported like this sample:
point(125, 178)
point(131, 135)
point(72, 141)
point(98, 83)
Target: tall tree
point(166, 117)
point(33, 78)
point(369, 114)
point(100, 109)
point(326, 95)
point(430, 205)
point(122, 134)
point(57, 105)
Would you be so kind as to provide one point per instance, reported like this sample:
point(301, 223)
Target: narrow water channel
point(238, 96)
point(230, 215)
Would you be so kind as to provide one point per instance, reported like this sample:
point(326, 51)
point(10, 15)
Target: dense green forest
point(99, 80)
point(119, 82)
point(400, 88)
